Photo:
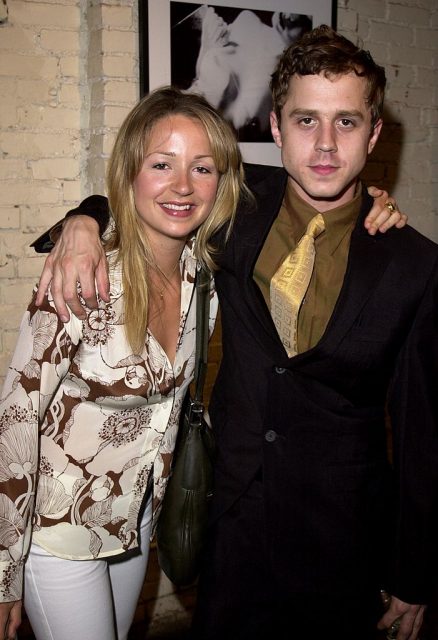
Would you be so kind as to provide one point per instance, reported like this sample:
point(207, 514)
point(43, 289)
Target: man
point(309, 518)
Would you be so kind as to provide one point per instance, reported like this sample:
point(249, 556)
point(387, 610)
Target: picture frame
point(226, 50)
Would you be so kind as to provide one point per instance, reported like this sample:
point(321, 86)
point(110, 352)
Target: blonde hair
point(129, 236)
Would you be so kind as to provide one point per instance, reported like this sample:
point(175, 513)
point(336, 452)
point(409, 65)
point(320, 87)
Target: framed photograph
point(226, 50)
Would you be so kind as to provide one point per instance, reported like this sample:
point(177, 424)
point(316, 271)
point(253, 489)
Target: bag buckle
point(196, 412)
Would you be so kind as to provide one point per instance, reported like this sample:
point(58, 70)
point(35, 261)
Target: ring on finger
point(391, 206)
point(391, 633)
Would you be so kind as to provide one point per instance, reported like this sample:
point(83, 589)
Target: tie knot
point(315, 226)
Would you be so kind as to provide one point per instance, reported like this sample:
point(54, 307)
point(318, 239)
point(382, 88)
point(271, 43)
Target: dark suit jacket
point(315, 424)
point(339, 516)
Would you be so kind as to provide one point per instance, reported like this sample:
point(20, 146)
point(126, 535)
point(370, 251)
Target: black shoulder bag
point(183, 519)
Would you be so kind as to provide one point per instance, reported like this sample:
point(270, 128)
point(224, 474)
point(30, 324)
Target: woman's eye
point(159, 165)
point(202, 170)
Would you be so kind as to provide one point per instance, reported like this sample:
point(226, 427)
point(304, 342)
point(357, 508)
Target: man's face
point(325, 137)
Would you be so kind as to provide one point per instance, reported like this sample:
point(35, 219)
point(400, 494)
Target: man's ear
point(375, 133)
point(275, 129)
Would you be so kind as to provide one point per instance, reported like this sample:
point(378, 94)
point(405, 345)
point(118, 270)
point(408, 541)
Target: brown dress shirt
point(330, 262)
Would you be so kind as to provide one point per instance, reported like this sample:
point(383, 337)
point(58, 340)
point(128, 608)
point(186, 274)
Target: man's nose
point(326, 138)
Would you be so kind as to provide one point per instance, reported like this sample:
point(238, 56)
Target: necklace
point(166, 278)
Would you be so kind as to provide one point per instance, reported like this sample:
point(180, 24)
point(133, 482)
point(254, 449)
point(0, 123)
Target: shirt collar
point(338, 221)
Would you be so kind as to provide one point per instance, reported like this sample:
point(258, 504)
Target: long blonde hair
point(128, 236)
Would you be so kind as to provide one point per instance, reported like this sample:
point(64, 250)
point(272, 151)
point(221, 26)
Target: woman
point(90, 408)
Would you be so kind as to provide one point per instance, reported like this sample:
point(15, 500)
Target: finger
point(14, 621)
point(392, 615)
point(378, 210)
point(404, 630)
point(58, 297)
point(387, 217)
point(65, 291)
point(44, 281)
point(384, 221)
point(375, 192)
point(88, 290)
point(102, 280)
point(70, 274)
point(403, 220)
point(417, 626)
point(71, 297)
point(379, 207)
point(75, 306)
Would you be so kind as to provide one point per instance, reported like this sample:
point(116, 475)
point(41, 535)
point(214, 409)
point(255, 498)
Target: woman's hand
point(10, 619)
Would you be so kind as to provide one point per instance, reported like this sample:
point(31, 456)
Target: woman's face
point(176, 187)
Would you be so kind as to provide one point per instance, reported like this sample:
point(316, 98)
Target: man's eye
point(306, 121)
point(346, 122)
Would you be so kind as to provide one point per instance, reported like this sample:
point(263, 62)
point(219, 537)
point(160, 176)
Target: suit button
point(270, 436)
point(280, 370)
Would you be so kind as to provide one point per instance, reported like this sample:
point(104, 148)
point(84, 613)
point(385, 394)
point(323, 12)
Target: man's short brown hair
point(322, 50)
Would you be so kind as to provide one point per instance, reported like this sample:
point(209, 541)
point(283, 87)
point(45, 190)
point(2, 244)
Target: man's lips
point(324, 169)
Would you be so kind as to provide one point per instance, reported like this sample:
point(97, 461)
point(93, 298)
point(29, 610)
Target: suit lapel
point(269, 194)
point(256, 225)
point(368, 259)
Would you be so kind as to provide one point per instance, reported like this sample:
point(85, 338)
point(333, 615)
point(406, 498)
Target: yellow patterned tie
point(290, 282)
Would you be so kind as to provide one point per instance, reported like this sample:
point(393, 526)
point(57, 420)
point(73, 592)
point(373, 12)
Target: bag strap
point(203, 278)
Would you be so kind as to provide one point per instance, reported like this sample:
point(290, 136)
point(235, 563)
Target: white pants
point(84, 599)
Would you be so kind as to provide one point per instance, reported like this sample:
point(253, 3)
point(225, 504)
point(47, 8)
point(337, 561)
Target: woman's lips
point(177, 210)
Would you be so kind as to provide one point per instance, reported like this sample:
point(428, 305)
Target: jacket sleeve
point(94, 206)
point(42, 357)
point(413, 409)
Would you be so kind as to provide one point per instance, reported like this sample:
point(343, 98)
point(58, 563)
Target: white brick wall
point(61, 100)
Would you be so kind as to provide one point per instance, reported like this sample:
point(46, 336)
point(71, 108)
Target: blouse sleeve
point(42, 357)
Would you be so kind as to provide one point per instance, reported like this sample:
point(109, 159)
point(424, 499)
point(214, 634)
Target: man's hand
point(77, 256)
point(403, 620)
point(10, 619)
point(384, 214)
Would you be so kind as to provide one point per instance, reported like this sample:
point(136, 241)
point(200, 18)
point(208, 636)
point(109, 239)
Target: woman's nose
point(183, 183)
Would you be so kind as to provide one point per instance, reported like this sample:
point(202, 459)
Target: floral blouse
point(84, 426)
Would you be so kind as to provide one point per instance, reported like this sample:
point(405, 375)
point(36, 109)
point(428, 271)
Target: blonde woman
point(90, 408)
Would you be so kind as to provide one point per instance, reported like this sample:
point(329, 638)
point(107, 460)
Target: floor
point(154, 624)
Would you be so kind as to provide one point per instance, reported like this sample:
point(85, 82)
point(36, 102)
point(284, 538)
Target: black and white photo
point(226, 51)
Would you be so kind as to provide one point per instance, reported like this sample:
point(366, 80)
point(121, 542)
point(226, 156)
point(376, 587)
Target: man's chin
point(326, 197)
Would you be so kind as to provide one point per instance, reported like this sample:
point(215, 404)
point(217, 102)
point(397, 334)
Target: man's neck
point(323, 205)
